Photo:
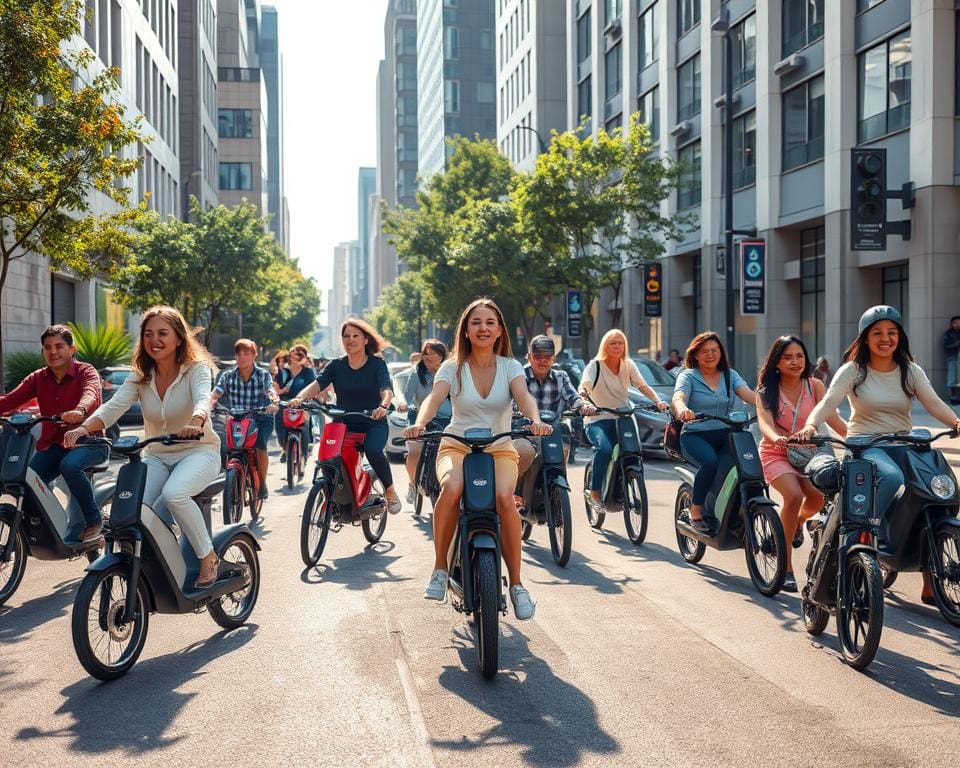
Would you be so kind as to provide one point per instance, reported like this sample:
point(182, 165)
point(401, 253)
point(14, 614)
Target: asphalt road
point(634, 658)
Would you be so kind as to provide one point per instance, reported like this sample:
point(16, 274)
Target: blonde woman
point(605, 381)
point(172, 380)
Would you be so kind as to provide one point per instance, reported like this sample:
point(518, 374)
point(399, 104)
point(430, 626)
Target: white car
point(397, 420)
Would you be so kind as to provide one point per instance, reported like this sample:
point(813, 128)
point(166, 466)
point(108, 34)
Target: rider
point(707, 384)
point(880, 379)
point(72, 390)
point(553, 391)
point(418, 387)
point(172, 379)
point(481, 362)
point(604, 382)
point(250, 388)
point(301, 376)
point(362, 382)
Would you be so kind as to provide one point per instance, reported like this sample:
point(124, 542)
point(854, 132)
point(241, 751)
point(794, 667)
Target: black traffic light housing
point(868, 201)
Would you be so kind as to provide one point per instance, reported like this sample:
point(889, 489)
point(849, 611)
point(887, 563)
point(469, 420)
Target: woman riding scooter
point(880, 379)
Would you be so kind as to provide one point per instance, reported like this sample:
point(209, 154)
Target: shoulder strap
point(597, 377)
point(726, 379)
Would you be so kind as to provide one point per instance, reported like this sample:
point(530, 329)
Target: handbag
point(799, 455)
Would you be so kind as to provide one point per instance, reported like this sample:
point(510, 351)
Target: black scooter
point(473, 560)
point(546, 492)
point(425, 481)
point(922, 530)
point(742, 513)
point(37, 524)
point(843, 575)
point(145, 568)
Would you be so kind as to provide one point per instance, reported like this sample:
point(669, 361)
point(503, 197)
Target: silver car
point(396, 421)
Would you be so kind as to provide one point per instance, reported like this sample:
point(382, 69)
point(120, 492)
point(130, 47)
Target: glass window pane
point(899, 83)
point(873, 82)
point(613, 66)
point(583, 37)
point(649, 37)
point(794, 127)
point(585, 99)
point(794, 25)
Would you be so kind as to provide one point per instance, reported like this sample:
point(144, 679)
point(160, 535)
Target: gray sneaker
point(394, 505)
point(523, 605)
point(411, 494)
point(437, 586)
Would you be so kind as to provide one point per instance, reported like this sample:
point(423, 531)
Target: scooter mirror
point(739, 417)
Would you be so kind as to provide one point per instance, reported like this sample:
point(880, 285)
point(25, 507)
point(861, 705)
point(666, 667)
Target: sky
point(331, 50)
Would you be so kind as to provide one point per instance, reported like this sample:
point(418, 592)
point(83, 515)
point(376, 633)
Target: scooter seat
point(211, 491)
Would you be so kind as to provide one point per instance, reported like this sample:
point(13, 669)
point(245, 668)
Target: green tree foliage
point(102, 345)
point(402, 313)
point(63, 136)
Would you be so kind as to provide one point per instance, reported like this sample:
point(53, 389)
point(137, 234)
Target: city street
point(634, 658)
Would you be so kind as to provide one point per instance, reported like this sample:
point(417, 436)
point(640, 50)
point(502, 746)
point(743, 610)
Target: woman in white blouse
point(172, 379)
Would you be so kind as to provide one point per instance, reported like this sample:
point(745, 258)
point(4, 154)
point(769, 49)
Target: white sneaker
point(523, 605)
point(411, 494)
point(437, 586)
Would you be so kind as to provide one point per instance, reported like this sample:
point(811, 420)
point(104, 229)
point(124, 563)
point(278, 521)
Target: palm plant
point(17, 365)
point(101, 346)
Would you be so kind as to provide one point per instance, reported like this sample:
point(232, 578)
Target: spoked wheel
point(946, 589)
point(417, 504)
point(239, 557)
point(767, 553)
point(635, 507)
point(11, 572)
point(815, 618)
point(560, 524)
point(253, 497)
point(860, 622)
point(487, 616)
point(106, 642)
point(233, 496)
point(888, 577)
point(315, 525)
point(293, 461)
point(525, 530)
point(373, 527)
point(594, 518)
point(690, 549)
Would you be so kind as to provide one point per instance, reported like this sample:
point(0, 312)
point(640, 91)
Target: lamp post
point(540, 141)
point(186, 193)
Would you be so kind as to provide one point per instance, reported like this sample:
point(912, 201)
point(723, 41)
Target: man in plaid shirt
point(250, 388)
point(553, 391)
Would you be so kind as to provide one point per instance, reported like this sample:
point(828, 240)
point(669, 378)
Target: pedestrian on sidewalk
point(951, 348)
point(823, 372)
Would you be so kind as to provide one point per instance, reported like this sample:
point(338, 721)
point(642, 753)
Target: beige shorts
point(505, 461)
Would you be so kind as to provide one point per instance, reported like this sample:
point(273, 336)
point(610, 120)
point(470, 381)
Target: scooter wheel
point(860, 621)
point(373, 527)
point(815, 618)
point(486, 615)
point(594, 518)
point(107, 646)
point(766, 549)
point(11, 572)
point(233, 610)
point(690, 549)
point(946, 590)
point(315, 525)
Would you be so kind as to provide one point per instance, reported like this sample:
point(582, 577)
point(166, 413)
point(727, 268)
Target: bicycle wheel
point(815, 618)
point(690, 549)
point(486, 616)
point(253, 498)
point(315, 525)
point(946, 589)
point(373, 527)
point(594, 518)
point(233, 610)
point(766, 555)
point(293, 459)
point(233, 496)
point(860, 622)
point(417, 504)
point(11, 572)
point(635, 508)
point(560, 524)
point(302, 464)
point(106, 645)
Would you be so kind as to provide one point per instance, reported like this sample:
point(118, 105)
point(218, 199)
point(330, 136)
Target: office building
point(361, 267)
point(271, 65)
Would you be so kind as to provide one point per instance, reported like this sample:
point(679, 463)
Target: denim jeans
point(57, 460)
point(704, 448)
point(889, 480)
point(602, 436)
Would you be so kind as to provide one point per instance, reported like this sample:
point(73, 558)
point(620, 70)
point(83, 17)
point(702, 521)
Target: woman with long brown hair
point(417, 389)
point(172, 379)
point(481, 378)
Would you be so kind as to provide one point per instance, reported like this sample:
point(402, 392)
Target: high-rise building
point(362, 265)
point(531, 77)
point(456, 76)
point(271, 64)
point(812, 79)
point(340, 301)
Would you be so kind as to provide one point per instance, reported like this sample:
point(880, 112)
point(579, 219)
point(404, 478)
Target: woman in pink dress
point(786, 394)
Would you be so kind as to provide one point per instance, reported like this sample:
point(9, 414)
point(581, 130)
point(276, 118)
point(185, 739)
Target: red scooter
point(242, 481)
point(293, 422)
point(346, 491)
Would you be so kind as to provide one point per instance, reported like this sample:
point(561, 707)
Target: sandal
point(208, 574)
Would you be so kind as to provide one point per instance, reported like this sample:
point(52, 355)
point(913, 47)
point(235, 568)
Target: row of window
point(518, 144)
point(163, 21)
point(515, 30)
point(156, 180)
point(236, 176)
point(208, 22)
point(154, 97)
point(103, 31)
point(517, 87)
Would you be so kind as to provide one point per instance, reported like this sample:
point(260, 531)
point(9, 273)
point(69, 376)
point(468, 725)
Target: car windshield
point(654, 373)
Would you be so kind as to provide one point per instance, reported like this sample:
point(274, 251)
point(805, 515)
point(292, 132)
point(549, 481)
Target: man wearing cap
point(553, 391)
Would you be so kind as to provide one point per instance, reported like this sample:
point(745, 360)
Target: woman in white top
point(605, 381)
point(481, 378)
point(880, 379)
point(172, 380)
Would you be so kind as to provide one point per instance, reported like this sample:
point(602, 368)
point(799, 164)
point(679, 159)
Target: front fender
point(856, 548)
point(949, 522)
point(223, 536)
point(7, 513)
point(483, 540)
point(105, 561)
point(761, 501)
point(685, 474)
point(561, 482)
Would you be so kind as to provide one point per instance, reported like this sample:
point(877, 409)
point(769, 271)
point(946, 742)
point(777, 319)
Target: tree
point(402, 311)
point(59, 143)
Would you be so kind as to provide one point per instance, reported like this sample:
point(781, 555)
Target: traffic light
point(868, 199)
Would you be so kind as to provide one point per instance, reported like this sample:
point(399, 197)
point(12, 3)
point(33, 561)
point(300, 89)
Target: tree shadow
point(551, 721)
point(357, 572)
point(17, 622)
point(577, 571)
point(112, 716)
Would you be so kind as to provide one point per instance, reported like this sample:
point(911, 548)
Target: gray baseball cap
point(543, 345)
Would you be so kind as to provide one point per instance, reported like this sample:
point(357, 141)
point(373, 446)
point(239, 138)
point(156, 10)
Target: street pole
point(540, 141)
point(419, 323)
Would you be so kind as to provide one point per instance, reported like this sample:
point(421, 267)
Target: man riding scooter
point(70, 390)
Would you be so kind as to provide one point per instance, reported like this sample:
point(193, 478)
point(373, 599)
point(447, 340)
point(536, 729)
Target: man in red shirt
point(71, 390)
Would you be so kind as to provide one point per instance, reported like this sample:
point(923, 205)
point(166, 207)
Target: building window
point(649, 108)
point(744, 39)
point(451, 43)
point(802, 24)
point(649, 37)
point(486, 39)
point(688, 15)
point(234, 176)
point(885, 88)
point(613, 123)
point(688, 82)
point(485, 93)
point(584, 42)
point(896, 287)
point(803, 124)
point(812, 295)
point(697, 291)
point(584, 100)
point(745, 150)
point(612, 9)
point(613, 65)
point(688, 191)
point(235, 123)
point(451, 96)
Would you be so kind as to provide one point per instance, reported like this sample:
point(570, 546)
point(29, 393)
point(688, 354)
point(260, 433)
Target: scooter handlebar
point(474, 442)
point(860, 446)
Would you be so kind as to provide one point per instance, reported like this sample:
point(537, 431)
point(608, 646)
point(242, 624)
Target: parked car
point(112, 377)
point(397, 421)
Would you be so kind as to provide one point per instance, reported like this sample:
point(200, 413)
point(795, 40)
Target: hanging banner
point(753, 277)
point(574, 313)
point(652, 290)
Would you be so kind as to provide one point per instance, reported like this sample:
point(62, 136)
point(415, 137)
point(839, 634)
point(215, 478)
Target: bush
point(101, 346)
point(17, 365)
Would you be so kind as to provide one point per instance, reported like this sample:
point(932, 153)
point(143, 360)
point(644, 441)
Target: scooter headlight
point(943, 487)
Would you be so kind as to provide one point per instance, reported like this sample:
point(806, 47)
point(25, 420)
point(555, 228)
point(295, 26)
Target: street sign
point(868, 199)
point(652, 291)
point(574, 313)
point(753, 277)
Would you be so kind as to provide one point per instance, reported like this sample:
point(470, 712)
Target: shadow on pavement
point(551, 721)
point(577, 571)
point(16, 622)
point(357, 572)
point(133, 713)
